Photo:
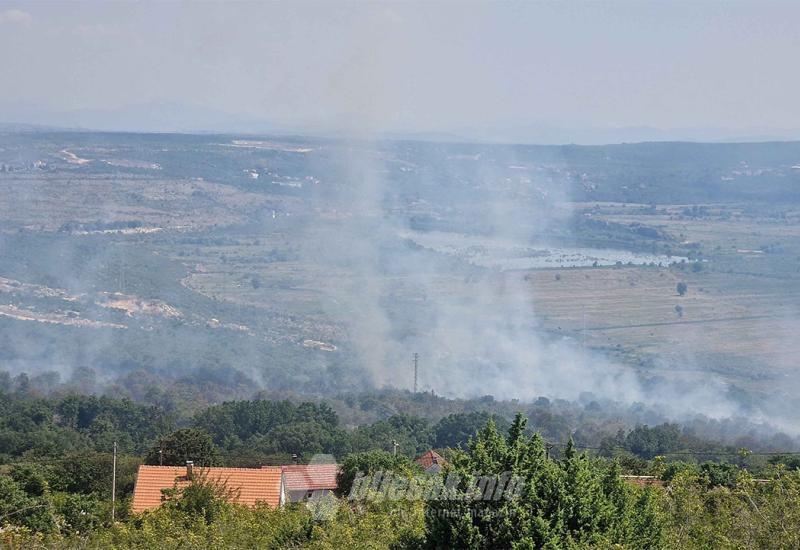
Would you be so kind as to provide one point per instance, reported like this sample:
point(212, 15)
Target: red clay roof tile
point(308, 477)
point(428, 459)
point(253, 485)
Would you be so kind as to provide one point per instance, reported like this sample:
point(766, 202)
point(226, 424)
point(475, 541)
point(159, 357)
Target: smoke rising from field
point(409, 247)
point(476, 328)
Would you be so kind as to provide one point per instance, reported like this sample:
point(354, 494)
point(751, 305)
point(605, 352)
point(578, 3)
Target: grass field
point(738, 319)
point(728, 325)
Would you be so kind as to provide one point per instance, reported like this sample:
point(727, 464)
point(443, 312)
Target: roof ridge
point(259, 469)
point(306, 466)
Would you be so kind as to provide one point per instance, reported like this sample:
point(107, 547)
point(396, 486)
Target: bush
point(370, 463)
point(203, 497)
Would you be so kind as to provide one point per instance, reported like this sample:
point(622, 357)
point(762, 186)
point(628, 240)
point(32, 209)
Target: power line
point(261, 459)
point(19, 510)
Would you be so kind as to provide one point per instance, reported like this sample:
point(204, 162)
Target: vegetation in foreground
point(55, 482)
point(572, 502)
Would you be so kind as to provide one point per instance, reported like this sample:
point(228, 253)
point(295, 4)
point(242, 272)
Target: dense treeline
point(574, 501)
point(246, 433)
point(235, 433)
point(592, 422)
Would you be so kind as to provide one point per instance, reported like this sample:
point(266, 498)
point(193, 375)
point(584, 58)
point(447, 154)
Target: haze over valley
point(317, 266)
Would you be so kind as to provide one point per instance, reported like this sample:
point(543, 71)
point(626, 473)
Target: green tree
point(575, 502)
point(19, 508)
point(203, 497)
point(456, 429)
point(412, 434)
point(182, 445)
point(368, 463)
point(648, 442)
point(32, 478)
point(681, 288)
point(80, 514)
point(748, 514)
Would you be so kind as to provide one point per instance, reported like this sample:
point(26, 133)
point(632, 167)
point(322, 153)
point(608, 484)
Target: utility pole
point(416, 370)
point(114, 485)
point(395, 444)
point(161, 457)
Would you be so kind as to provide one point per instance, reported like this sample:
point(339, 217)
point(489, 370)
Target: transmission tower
point(416, 370)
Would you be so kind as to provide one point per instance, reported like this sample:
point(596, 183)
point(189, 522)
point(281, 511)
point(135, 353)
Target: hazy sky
point(413, 66)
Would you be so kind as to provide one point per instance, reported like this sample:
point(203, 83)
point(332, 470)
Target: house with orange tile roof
point(250, 486)
point(305, 481)
point(431, 461)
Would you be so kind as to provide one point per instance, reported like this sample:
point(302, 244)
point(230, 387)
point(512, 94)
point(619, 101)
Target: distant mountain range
point(169, 117)
point(146, 118)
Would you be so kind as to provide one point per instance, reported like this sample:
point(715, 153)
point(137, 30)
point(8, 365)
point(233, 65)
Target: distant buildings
point(431, 461)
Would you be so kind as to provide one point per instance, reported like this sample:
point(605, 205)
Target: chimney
point(296, 459)
point(189, 469)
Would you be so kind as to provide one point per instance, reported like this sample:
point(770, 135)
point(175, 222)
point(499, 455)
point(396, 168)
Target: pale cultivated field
point(46, 202)
point(729, 324)
point(730, 227)
point(741, 314)
point(293, 295)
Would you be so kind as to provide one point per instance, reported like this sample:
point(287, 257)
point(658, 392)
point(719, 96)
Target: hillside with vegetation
point(578, 313)
point(316, 266)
